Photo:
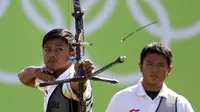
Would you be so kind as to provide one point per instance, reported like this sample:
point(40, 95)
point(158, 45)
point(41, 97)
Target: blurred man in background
point(151, 93)
point(57, 49)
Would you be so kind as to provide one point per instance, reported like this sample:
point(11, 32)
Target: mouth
point(52, 61)
point(154, 77)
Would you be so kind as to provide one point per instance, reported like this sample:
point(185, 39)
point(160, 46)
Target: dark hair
point(158, 48)
point(59, 33)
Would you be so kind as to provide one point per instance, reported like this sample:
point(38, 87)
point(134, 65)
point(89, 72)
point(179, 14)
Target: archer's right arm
point(28, 76)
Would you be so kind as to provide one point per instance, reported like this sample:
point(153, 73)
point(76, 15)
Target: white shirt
point(135, 97)
point(67, 90)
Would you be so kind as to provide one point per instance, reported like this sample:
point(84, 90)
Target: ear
point(73, 53)
point(140, 65)
point(169, 70)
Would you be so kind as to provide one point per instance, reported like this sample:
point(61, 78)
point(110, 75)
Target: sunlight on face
point(56, 53)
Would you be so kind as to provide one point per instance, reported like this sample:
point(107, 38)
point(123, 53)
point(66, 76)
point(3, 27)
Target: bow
point(78, 16)
point(79, 39)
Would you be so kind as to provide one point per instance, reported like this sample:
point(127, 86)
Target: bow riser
point(78, 16)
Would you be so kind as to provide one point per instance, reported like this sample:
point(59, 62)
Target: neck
point(58, 72)
point(151, 87)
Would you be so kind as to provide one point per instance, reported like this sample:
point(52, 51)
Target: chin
point(52, 66)
point(153, 82)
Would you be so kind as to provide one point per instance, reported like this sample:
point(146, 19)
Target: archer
point(57, 49)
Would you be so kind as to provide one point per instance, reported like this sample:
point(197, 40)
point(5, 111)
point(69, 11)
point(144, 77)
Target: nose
point(52, 54)
point(154, 69)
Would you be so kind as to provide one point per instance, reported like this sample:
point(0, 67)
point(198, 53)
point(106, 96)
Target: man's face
point(154, 69)
point(56, 54)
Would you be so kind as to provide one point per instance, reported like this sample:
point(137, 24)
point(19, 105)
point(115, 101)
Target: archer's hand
point(86, 65)
point(43, 75)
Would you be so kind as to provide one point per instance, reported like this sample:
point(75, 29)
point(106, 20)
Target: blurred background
point(24, 22)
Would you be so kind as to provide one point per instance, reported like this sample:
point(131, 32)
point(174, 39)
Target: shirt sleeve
point(183, 105)
point(37, 82)
point(113, 105)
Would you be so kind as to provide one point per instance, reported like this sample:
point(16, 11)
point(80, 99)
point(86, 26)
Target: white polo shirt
point(135, 98)
point(67, 90)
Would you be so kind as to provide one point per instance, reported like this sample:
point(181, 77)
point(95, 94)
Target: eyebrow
point(58, 45)
point(149, 61)
point(161, 63)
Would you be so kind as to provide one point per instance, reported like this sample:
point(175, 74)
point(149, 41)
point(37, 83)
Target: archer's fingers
point(48, 69)
point(49, 77)
point(87, 64)
point(89, 70)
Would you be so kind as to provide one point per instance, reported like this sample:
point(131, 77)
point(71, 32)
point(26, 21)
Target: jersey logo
point(135, 110)
point(55, 104)
point(46, 92)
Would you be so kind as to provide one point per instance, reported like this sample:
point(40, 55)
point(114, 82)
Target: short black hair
point(158, 48)
point(59, 33)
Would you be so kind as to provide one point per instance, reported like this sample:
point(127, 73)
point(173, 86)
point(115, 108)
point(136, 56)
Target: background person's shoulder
point(126, 91)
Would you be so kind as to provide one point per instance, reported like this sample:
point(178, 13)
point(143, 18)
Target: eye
point(47, 49)
point(149, 64)
point(59, 49)
point(162, 65)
